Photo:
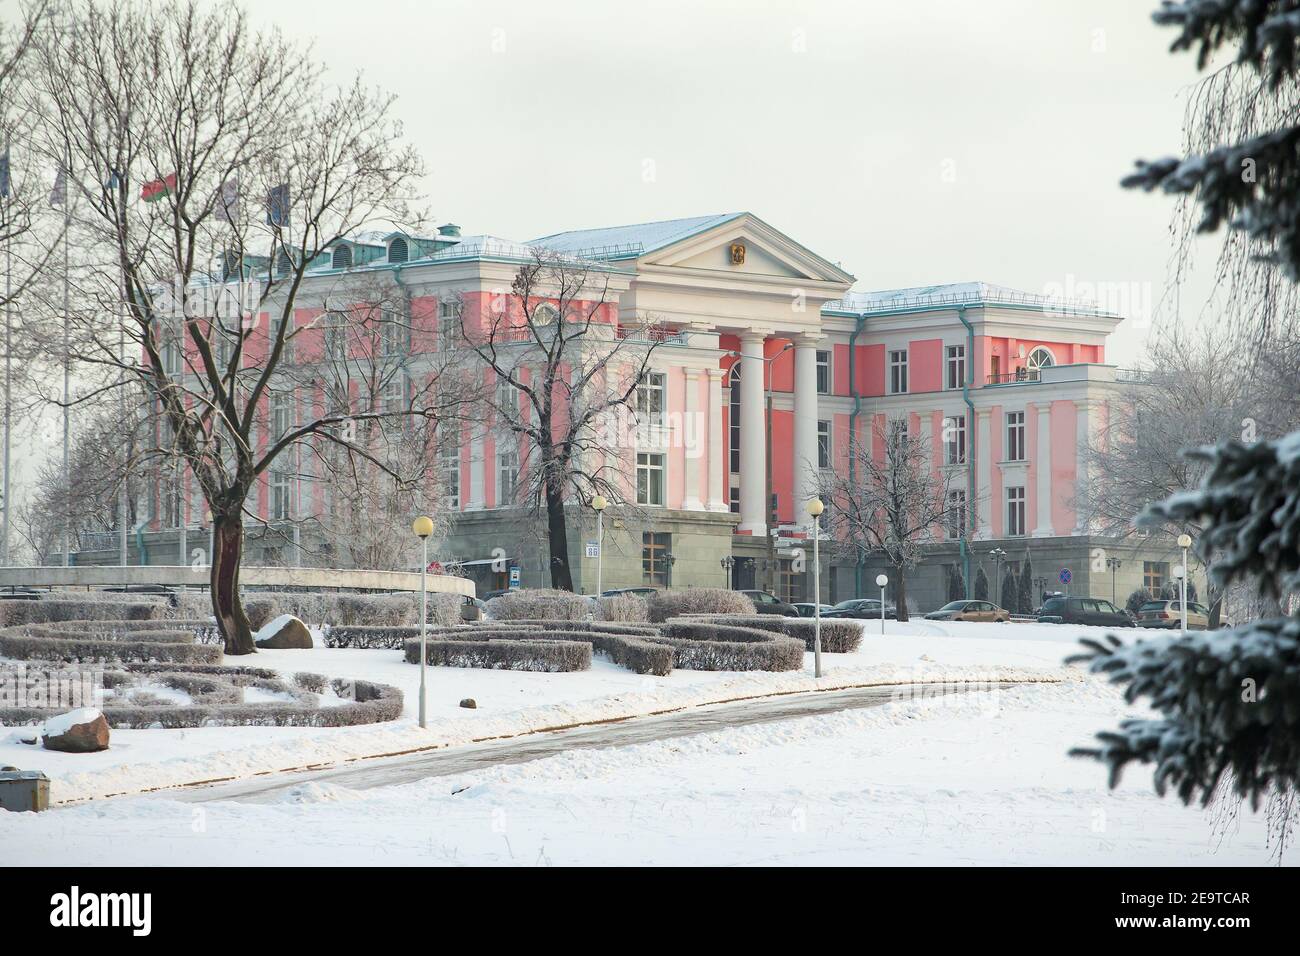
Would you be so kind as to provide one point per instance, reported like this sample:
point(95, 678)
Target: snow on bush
point(539, 604)
point(13, 613)
point(705, 646)
point(625, 608)
point(515, 650)
point(838, 637)
point(674, 603)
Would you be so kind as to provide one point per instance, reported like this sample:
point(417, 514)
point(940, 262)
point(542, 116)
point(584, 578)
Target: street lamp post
point(423, 527)
point(1114, 565)
point(727, 562)
point(1184, 541)
point(881, 581)
point(599, 504)
point(997, 554)
point(815, 509)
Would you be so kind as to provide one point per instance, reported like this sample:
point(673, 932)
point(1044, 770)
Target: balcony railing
point(1019, 376)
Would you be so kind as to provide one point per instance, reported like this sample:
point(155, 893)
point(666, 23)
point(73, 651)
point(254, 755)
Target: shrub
point(704, 646)
point(505, 649)
point(83, 650)
point(261, 611)
point(668, 604)
point(626, 608)
point(13, 613)
point(838, 636)
point(1137, 599)
point(644, 655)
point(539, 604)
point(376, 610)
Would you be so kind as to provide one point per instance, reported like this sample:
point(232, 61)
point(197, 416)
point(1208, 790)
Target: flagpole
point(67, 488)
point(9, 265)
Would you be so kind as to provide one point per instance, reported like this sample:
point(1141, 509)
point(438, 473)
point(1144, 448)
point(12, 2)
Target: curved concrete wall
point(173, 576)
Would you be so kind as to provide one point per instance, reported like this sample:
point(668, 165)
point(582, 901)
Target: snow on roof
point(953, 294)
point(621, 242)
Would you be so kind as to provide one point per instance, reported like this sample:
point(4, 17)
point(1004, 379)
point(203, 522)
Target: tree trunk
point(900, 593)
point(228, 551)
point(558, 535)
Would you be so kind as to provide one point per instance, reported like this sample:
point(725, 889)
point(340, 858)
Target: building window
point(393, 394)
point(649, 479)
point(733, 423)
point(281, 414)
point(896, 432)
point(1155, 574)
point(507, 477)
point(390, 334)
point(1015, 436)
point(650, 399)
point(898, 372)
point(956, 514)
point(448, 323)
point(1015, 512)
point(336, 331)
point(789, 582)
point(734, 499)
point(823, 444)
point(823, 372)
point(956, 363)
point(281, 483)
point(1039, 358)
point(545, 315)
point(655, 550)
point(342, 258)
point(398, 250)
point(954, 440)
point(450, 456)
point(508, 399)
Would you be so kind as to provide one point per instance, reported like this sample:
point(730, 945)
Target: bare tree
point(566, 375)
point(255, 167)
point(895, 506)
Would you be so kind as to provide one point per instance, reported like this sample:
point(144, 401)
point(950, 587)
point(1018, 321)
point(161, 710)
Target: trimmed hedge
point(668, 604)
point(518, 649)
point(838, 636)
point(24, 644)
point(704, 646)
point(625, 608)
point(539, 604)
point(15, 613)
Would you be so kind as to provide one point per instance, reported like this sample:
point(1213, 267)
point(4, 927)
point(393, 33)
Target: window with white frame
point(281, 487)
point(898, 371)
point(955, 357)
point(449, 455)
point(507, 476)
point(1015, 436)
point(896, 431)
point(956, 514)
point(281, 414)
point(391, 333)
point(823, 372)
point(392, 396)
point(649, 478)
point(1015, 512)
point(823, 444)
point(448, 325)
point(733, 421)
point(954, 439)
point(650, 399)
point(508, 399)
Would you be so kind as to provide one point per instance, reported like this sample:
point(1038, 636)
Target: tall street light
point(599, 504)
point(997, 554)
point(1184, 542)
point(815, 508)
point(881, 581)
point(423, 527)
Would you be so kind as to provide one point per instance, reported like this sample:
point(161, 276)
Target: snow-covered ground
point(978, 778)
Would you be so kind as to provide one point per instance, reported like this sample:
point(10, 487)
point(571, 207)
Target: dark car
point(1083, 610)
point(807, 609)
point(766, 603)
point(863, 609)
point(970, 611)
point(639, 592)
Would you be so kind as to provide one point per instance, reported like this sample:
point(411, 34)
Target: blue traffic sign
point(1066, 576)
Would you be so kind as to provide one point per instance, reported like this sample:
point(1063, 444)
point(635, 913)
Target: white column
point(1043, 467)
point(984, 476)
point(692, 446)
point(718, 497)
point(753, 451)
point(477, 498)
point(806, 475)
point(1082, 438)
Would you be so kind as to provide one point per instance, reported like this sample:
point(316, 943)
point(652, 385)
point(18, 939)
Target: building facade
point(767, 370)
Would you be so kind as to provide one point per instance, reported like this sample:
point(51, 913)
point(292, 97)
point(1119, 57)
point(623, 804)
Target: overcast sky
point(913, 143)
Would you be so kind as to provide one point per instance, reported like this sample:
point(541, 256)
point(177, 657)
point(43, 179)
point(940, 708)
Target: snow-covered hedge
point(675, 603)
point(44, 611)
point(105, 641)
point(539, 604)
point(624, 608)
point(318, 608)
point(703, 646)
point(838, 637)
point(516, 649)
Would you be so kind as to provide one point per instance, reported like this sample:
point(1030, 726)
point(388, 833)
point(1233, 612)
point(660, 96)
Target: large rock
point(286, 631)
point(81, 731)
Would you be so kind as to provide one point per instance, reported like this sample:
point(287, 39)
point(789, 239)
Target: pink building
point(1005, 386)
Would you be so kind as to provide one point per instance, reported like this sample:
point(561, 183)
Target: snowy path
point(400, 770)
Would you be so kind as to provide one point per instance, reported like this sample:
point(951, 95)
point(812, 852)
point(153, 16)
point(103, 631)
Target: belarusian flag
point(153, 191)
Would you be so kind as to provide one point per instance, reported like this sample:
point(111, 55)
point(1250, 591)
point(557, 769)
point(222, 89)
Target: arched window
point(398, 250)
point(342, 257)
point(1039, 358)
point(545, 315)
point(733, 423)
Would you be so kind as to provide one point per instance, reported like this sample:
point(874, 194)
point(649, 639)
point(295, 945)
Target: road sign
point(514, 577)
point(1066, 576)
point(593, 549)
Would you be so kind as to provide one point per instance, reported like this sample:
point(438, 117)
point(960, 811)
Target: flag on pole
point(59, 194)
point(228, 200)
point(158, 188)
point(4, 174)
point(277, 205)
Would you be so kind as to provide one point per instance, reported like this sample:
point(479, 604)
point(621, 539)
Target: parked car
point(767, 603)
point(639, 592)
point(985, 611)
point(1082, 610)
point(861, 609)
point(805, 609)
point(1168, 614)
